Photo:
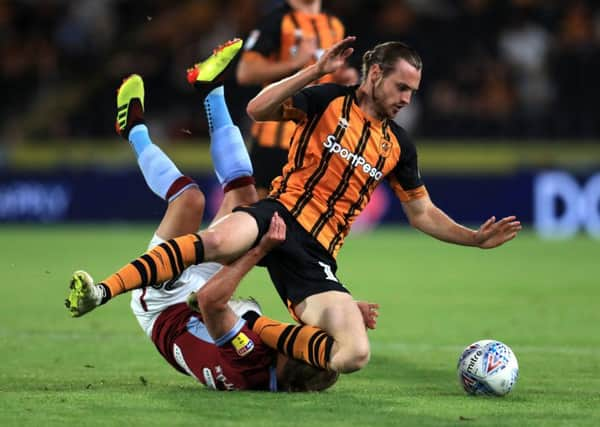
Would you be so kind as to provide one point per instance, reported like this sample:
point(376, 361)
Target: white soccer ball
point(488, 367)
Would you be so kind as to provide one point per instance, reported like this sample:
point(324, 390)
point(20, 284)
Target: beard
point(378, 97)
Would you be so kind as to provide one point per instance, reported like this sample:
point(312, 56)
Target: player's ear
point(375, 74)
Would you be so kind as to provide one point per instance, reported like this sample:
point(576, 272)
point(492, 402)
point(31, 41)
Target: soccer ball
point(488, 367)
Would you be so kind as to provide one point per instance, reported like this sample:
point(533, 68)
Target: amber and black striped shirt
point(337, 157)
point(277, 38)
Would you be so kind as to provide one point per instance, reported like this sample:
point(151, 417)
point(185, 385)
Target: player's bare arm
point(268, 104)
point(428, 218)
point(255, 69)
point(213, 297)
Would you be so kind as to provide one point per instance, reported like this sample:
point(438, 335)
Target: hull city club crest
point(385, 147)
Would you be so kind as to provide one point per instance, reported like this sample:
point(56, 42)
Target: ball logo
point(495, 361)
point(242, 344)
point(469, 383)
point(473, 361)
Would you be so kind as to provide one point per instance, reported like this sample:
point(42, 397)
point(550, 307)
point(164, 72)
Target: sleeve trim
point(220, 342)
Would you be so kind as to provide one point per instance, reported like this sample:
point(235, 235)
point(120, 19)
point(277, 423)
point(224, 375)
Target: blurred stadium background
point(505, 120)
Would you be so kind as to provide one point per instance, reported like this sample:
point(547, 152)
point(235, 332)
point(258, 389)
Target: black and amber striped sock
point(307, 343)
point(159, 264)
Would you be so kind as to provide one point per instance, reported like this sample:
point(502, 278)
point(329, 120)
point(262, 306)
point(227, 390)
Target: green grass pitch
point(541, 298)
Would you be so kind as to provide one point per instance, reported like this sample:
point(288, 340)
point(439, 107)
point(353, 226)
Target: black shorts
point(301, 266)
point(267, 163)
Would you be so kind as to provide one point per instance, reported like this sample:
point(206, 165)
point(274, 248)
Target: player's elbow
point(208, 302)
point(254, 111)
point(261, 109)
point(253, 69)
point(243, 77)
point(245, 73)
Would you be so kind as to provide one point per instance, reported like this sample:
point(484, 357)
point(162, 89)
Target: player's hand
point(306, 52)
point(335, 57)
point(275, 235)
point(370, 312)
point(494, 233)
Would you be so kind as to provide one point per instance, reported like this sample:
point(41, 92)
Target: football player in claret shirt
point(345, 145)
point(290, 37)
point(225, 344)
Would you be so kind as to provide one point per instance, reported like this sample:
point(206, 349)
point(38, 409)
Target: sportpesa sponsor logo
point(355, 160)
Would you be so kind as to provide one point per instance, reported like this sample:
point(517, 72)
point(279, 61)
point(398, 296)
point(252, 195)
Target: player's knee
point(212, 240)
point(216, 244)
point(193, 201)
point(229, 238)
point(351, 357)
point(188, 208)
point(357, 358)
